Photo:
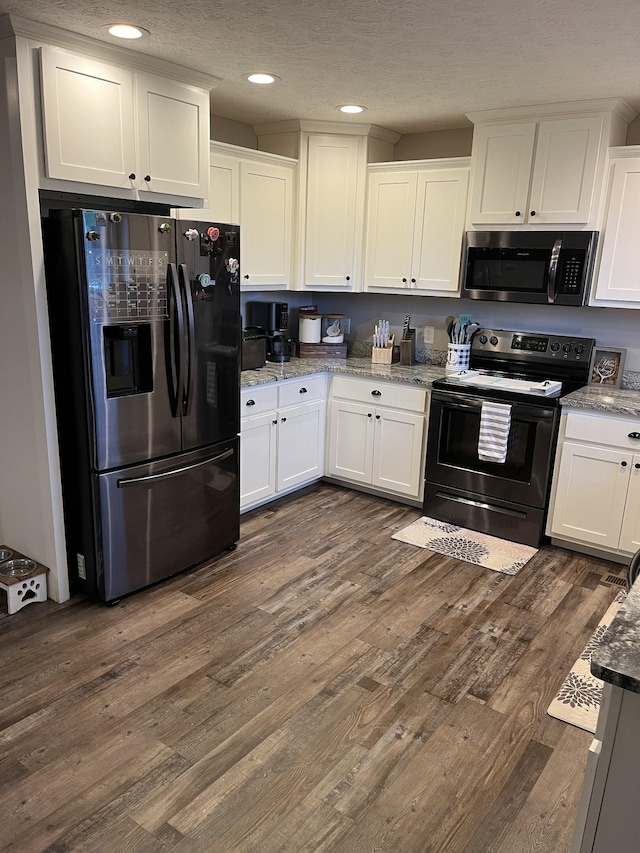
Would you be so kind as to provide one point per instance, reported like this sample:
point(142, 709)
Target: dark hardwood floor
point(321, 688)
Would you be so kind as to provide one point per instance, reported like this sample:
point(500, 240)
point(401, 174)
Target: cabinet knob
point(635, 435)
point(624, 463)
point(302, 391)
point(132, 176)
point(283, 420)
point(147, 178)
point(348, 278)
point(250, 403)
point(377, 417)
point(376, 393)
point(247, 277)
point(368, 414)
point(274, 422)
point(413, 281)
point(404, 281)
point(532, 213)
point(518, 213)
point(637, 465)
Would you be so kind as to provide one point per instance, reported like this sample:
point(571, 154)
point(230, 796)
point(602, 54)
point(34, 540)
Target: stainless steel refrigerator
point(146, 335)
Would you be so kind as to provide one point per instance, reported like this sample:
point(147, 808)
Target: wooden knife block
point(408, 347)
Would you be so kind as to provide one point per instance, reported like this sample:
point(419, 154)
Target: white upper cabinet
point(255, 190)
point(87, 120)
point(335, 188)
point(415, 226)
point(332, 179)
point(617, 282)
point(173, 137)
point(111, 127)
point(546, 170)
point(266, 216)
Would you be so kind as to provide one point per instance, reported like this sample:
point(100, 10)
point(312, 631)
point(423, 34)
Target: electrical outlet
point(82, 572)
point(428, 334)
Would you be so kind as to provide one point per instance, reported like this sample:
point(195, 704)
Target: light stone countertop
point(612, 401)
point(617, 658)
point(417, 374)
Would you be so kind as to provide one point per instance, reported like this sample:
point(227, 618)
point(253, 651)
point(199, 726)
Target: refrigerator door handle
point(191, 335)
point(175, 344)
point(175, 472)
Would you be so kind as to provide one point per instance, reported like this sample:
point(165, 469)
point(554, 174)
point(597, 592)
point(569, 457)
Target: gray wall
point(617, 327)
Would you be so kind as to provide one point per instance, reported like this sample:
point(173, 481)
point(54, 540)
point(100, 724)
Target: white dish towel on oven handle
point(495, 425)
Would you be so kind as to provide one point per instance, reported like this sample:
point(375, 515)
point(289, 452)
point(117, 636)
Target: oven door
point(463, 489)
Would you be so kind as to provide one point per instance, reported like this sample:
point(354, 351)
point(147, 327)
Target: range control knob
point(483, 339)
point(566, 347)
point(164, 228)
point(555, 346)
point(192, 234)
point(92, 236)
point(493, 340)
point(580, 349)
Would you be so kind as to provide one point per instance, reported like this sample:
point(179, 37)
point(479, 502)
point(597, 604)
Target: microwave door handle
point(553, 271)
point(191, 335)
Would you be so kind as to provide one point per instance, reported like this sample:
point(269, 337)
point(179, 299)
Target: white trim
point(567, 108)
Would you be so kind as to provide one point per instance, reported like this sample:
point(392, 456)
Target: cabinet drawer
point(302, 390)
point(254, 401)
point(380, 393)
point(612, 432)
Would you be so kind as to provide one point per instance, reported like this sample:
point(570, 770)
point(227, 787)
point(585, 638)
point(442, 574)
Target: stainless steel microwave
point(541, 267)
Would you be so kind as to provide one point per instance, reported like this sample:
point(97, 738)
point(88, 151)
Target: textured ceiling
point(416, 64)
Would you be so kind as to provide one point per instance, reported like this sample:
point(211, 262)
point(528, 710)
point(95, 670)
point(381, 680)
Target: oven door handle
point(553, 271)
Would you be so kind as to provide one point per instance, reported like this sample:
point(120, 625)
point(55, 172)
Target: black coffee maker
point(273, 317)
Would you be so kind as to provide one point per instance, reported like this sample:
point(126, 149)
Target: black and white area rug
point(468, 545)
point(578, 700)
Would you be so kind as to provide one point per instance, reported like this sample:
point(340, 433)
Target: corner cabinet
point(596, 488)
point(546, 171)
point(415, 225)
point(109, 126)
point(255, 190)
point(332, 182)
point(617, 282)
point(281, 438)
point(376, 435)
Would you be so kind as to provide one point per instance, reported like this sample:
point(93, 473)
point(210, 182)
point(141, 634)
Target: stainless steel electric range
point(525, 374)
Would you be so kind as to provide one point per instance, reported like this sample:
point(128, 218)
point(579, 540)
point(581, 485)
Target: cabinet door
point(266, 200)
point(439, 227)
point(564, 170)
point(590, 494)
point(224, 193)
point(397, 452)
point(300, 444)
point(336, 167)
point(617, 276)
point(88, 120)
point(501, 163)
point(390, 226)
point(173, 137)
point(351, 441)
point(630, 533)
point(257, 459)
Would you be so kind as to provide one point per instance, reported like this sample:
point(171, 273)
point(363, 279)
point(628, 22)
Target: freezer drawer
point(161, 518)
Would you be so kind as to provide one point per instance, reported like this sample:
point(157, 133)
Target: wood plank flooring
point(321, 688)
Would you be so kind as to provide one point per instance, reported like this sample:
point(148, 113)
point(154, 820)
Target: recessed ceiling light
point(262, 78)
point(351, 108)
point(126, 31)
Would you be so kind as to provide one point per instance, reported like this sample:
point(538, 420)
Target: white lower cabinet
point(281, 438)
point(596, 488)
point(376, 435)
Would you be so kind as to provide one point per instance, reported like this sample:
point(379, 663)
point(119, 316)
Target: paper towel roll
point(309, 330)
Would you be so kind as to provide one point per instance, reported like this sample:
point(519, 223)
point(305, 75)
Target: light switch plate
point(428, 334)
